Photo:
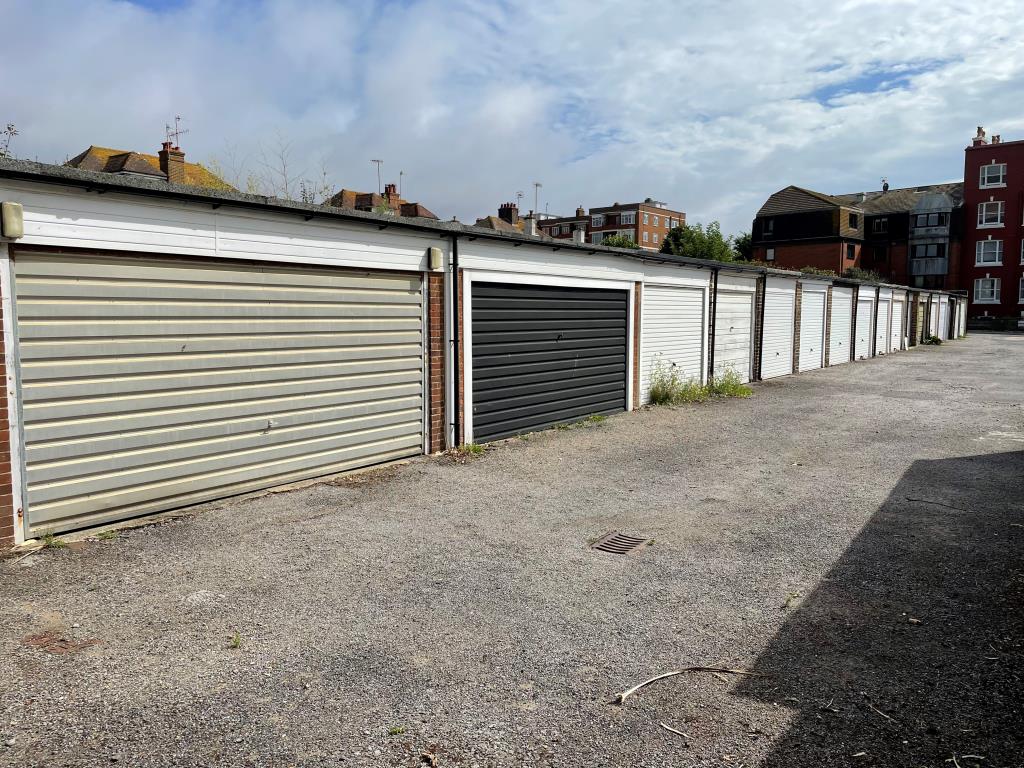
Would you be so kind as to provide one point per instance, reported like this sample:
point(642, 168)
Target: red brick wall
point(435, 358)
point(828, 324)
point(797, 310)
point(6, 494)
point(819, 255)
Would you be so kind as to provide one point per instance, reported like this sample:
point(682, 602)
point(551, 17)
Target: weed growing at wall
point(669, 388)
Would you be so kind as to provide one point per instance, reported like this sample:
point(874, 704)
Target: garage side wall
point(435, 360)
point(8, 513)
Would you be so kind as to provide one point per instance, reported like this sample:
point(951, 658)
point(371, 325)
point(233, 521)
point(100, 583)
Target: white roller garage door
point(779, 315)
point(812, 329)
point(865, 327)
point(152, 383)
point(882, 327)
point(734, 326)
point(896, 329)
point(840, 326)
point(671, 333)
point(933, 318)
point(944, 319)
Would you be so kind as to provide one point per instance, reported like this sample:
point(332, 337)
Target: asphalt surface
point(854, 536)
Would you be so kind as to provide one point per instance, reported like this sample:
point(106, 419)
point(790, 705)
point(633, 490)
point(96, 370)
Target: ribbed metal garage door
point(152, 383)
point(865, 328)
point(896, 329)
point(545, 355)
point(734, 326)
point(812, 329)
point(839, 331)
point(671, 333)
point(779, 317)
point(882, 327)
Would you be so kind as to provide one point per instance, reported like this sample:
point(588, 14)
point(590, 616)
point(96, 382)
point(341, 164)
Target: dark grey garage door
point(545, 355)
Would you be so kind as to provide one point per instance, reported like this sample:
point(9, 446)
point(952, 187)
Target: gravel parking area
point(854, 536)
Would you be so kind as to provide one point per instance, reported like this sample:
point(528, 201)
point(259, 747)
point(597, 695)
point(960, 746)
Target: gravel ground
point(855, 536)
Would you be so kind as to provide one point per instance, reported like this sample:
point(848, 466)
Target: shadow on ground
point(910, 650)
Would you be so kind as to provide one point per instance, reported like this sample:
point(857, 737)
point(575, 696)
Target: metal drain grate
point(618, 543)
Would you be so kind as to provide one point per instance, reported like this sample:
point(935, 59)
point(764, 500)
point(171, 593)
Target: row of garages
point(165, 347)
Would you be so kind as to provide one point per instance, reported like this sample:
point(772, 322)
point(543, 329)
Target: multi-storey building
point(993, 270)
point(645, 223)
point(909, 235)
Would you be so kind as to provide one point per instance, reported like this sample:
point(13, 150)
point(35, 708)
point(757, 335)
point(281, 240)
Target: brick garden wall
point(435, 357)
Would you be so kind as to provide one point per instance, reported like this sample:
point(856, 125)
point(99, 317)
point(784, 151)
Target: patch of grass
point(396, 730)
point(50, 541)
point(563, 426)
point(106, 535)
point(933, 340)
point(729, 383)
point(473, 449)
point(791, 598)
point(235, 642)
point(595, 420)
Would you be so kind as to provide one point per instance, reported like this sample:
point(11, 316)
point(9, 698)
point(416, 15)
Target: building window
point(930, 251)
point(627, 218)
point(989, 253)
point(930, 220)
point(1020, 298)
point(990, 214)
point(880, 225)
point(851, 252)
point(628, 234)
point(646, 237)
point(655, 237)
point(986, 290)
point(646, 219)
point(993, 175)
point(1022, 251)
point(596, 238)
point(675, 223)
point(655, 222)
point(597, 221)
point(769, 228)
point(769, 254)
point(853, 221)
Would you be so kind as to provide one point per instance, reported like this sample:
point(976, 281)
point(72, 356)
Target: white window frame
point(627, 217)
point(983, 254)
point(628, 233)
point(654, 221)
point(655, 237)
point(880, 225)
point(993, 291)
point(983, 209)
point(1020, 295)
point(769, 254)
point(983, 179)
point(647, 237)
point(1022, 252)
point(597, 220)
point(647, 219)
point(596, 237)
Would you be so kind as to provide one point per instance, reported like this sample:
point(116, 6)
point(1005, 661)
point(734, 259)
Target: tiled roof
point(106, 160)
point(496, 223)
point(797, 199)
point(904, 199)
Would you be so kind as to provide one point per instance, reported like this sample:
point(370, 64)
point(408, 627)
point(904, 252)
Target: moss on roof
point(99, 159)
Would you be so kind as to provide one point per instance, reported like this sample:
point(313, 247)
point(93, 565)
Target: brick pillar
point(638, 290)
point(435, 358)
point(828, 324)
point(759, 291)
point(7, 521)
point(796, 326)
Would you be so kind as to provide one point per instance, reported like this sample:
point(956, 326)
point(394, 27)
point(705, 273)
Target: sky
point(709, 107)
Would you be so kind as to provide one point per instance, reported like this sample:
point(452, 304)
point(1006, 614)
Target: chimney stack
point(172, 163)
point(580, 213)
point(979, 138)
point(391, 196)
point(996, 138)
point(530, 225)
point(885, 185)
point(509, 212)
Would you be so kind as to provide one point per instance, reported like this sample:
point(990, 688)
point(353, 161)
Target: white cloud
point(709, 107)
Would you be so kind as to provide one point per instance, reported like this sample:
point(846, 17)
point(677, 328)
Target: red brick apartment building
point(993, 272)
point(909, 236)
point(645, 223)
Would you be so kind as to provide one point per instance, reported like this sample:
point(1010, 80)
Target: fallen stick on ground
point(938, 503)
point(620, 698)
point(881, 712)
point(670, 729)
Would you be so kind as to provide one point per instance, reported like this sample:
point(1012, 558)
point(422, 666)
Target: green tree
point(743, 246)
point(856, 273)
point(619, 241)
point(697, 242)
